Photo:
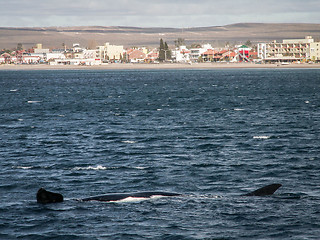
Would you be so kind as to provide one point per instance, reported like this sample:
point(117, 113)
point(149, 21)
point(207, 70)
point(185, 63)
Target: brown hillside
point(54, 37)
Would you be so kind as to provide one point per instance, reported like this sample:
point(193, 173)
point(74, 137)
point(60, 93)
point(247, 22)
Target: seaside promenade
point(131, 66)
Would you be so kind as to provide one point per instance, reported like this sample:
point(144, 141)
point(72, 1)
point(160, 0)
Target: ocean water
point(209, 134)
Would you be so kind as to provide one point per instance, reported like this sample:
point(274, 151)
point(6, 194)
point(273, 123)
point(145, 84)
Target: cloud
point(151, 13)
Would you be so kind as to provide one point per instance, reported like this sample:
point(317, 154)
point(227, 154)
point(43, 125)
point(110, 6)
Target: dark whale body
point(44, 196)
point(264, 191)
point(121, 196)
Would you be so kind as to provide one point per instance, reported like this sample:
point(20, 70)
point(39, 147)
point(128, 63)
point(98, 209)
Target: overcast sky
point(150, 13)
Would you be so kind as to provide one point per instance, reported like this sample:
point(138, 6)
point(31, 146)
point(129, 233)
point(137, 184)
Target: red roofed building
point(243, 53)
point(136, 56)
point(253, 55)
point(5, 58)
point(208, 55)
point(152, 56)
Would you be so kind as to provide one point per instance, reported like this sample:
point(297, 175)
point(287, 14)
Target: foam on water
point(97, 168)
point(23, 167)
point(261, 137)
point(128, 141)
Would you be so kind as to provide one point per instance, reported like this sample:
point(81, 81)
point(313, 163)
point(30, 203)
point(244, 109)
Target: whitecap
point(261, 137)
point(23, 167)
point(209, 196)
point(34, 101)
point(238, 109)
point(98, 167)
point(140, 168)
point(307, 102)
point(13, 90)
point(128, 141)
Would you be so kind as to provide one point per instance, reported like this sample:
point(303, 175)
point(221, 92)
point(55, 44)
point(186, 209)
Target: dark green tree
point(167, 51)
point(161, 51)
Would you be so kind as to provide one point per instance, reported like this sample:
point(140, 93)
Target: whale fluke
point(44, 196)
point(264, 191)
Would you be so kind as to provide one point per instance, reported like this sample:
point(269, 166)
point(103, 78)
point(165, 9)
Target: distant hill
point(134, 36)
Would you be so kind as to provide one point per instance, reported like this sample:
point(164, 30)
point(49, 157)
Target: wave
point(95, 168)
point(31, 167)
point(128, 141)
point(261, 137)
point(23, 167)
point(98, 167)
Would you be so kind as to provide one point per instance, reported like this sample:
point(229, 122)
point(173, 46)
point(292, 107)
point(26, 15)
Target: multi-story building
point(290, 50)
point(82, 53)
point(109, 52)
point(181, 54)
point(314, 50)
point(196, 53)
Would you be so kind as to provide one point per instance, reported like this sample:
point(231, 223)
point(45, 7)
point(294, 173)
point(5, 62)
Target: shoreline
point(164, 66)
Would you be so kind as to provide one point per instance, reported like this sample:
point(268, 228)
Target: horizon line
point(128, 26)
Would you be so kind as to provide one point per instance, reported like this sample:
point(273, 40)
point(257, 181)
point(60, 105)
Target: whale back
point(121, 196)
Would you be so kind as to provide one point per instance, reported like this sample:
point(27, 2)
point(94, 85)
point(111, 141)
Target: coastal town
point(287, 51)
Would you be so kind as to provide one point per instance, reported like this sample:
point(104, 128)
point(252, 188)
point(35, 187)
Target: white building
point(181, 54)
point(196, 53)
point(89, 53)
point(38, 49)
point(109, 52)
point(290, 50)
point(82, 53)
point(262, 51)
point(76, 61)
point(314, 51)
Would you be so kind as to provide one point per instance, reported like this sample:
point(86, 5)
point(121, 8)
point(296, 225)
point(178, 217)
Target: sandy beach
point(130, 66)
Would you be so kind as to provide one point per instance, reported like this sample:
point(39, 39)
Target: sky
point(150, 13)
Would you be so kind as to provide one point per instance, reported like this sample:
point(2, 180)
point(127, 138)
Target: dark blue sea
point(212, 135)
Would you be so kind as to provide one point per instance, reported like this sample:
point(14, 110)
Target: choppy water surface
point(210, 134)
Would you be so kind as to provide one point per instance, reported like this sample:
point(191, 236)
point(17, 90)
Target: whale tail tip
point(44, 196)
point(265, 191)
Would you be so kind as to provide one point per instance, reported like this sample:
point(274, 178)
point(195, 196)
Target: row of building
point(114, 53)
point(294, 50)
point(77, 55)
